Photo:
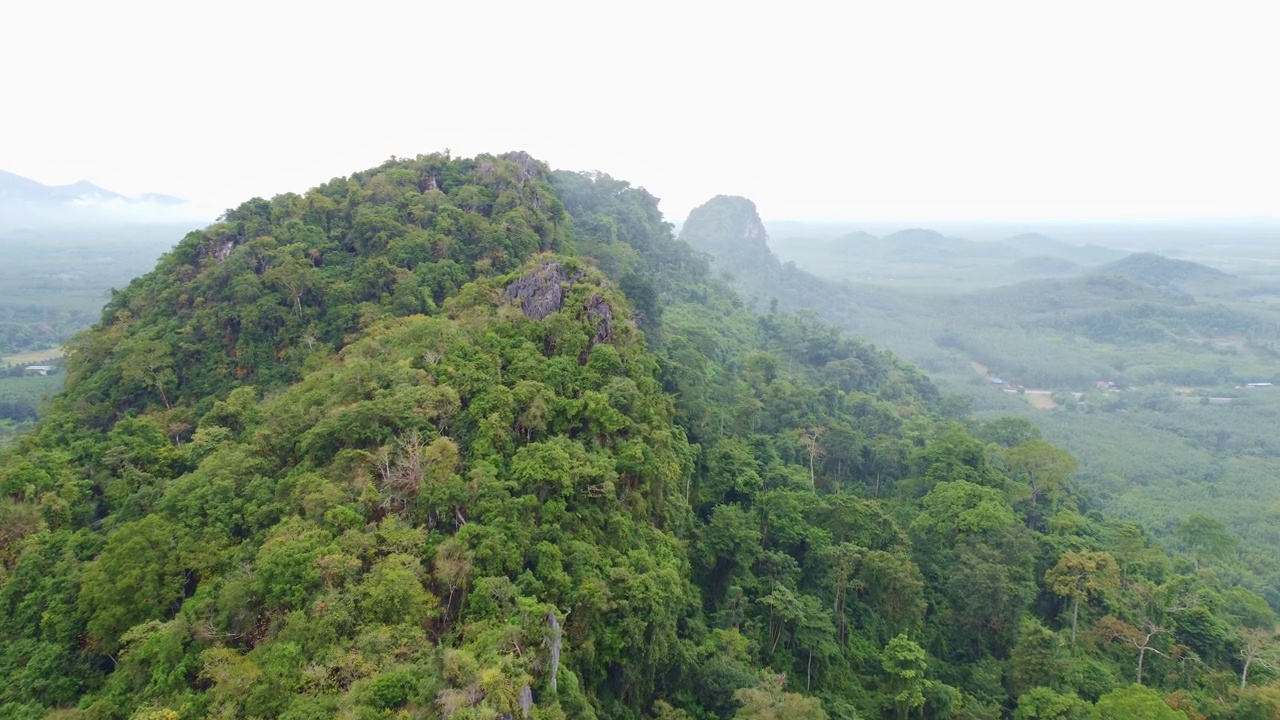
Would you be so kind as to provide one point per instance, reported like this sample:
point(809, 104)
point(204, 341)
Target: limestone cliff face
point(729, 229)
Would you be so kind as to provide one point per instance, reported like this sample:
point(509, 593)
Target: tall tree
point(1041, 473)
point(1257, 646)
point(1206, 537)
point(1080, 576)
point(1133, 702)
point(1142, 638)
point(809, 439)
point(904, 663)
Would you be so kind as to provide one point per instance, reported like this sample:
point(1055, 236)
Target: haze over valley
point(26, 204)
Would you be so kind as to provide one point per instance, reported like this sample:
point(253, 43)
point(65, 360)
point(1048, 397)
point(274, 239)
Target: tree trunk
point(1244, 675)
point(554, 625)
point(808, 678)
point(1075, 615)
point(838, 610)
point(163, 397)
point(1142, 656)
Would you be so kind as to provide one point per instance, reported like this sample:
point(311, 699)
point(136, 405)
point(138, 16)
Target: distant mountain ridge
point(17, 187)
point(1162, 271)
point(1038, 244)
point(903, 254)
point(27, 203)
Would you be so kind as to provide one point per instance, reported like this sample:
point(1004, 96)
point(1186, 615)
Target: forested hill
point(1162, 271)
point(468, 438)
point(728, 228)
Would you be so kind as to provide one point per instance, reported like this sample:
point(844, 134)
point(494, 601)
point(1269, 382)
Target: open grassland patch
point(1041, 399)
point(33, 356)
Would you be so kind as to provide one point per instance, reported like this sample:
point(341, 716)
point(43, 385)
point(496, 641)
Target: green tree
point(886, 460)
point(1206, 538)
point(904, 664)
point(1133, 702)
point(232, 675)
point(1042, 703)
point(1040, 473)
point(150, 364)
point(1036, 659)
point(1008, 432)
point(139, 576)
point(953, 508)
point(392, 592)
point(952, 456)
point(769, 701)
point(842, 561)
point(1079, 576)
point(288, 563)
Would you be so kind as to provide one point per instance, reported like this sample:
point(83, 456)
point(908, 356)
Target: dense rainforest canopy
point(469, 438)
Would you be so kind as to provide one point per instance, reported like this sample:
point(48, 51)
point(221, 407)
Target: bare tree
point(1141, 639)
point(1158, 603)
point(1257, 646)
point(400, 476)
point(809, 441)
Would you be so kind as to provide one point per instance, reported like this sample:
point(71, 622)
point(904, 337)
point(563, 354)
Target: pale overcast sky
point(877, 110)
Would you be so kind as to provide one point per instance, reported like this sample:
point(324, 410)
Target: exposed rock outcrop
point(600, 315)
point(542, 292)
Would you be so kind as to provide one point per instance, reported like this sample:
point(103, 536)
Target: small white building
point(40, 369)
